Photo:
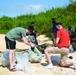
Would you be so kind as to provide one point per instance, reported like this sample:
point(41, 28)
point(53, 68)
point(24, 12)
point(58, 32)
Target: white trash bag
point(19, 57)
point(5, 59)
point(33, 57)
point(71, 50)
point(23, 63)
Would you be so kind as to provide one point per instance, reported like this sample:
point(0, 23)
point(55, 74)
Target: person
point(19, 34)
point(62, 43)
point(32, 37)
point(70, 31)
point(54, 29)
point(73, 39)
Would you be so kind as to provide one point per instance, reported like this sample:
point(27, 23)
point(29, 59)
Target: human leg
point(63, 62)
point(66, 64)
point(57, 50)
point(14, 58)
point(53, 37)
point(36, 42)
point(47, 51)
point(54, 50)
point(11, 46)
point(11, 58)
point(64, 53)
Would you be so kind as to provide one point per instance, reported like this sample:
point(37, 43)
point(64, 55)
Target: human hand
point(32, 45)
point(34, 32)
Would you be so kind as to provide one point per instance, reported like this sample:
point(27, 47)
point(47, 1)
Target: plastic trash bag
point(33, 57)
point(5, 59)
point(23, 60)
point(55, 60)
point(23, 63)
point(71, 50)
point(19, 57)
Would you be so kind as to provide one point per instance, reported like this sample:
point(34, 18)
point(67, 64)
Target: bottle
point(35, 51)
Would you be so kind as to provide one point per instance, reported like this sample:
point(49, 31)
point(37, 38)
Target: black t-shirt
point(32, 27)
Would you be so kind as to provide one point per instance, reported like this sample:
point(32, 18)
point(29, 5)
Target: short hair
point(32, 23)
point(30, 30)
point(53, 18)
point(59, 23)
point(69, 26)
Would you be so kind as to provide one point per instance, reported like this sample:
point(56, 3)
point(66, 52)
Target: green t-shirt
point(16, 33)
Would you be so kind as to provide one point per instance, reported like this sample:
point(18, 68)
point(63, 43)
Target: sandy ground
point(37, 68)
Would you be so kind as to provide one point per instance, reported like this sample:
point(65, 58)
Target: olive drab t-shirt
point(16, 33)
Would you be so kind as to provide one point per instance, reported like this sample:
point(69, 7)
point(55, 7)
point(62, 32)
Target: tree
point(71, 1)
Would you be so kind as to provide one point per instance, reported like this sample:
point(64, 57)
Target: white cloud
point(16, 10)
point(28, 8)
point(35, 6)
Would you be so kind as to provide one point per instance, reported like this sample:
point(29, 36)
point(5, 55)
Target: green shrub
point(66, 15)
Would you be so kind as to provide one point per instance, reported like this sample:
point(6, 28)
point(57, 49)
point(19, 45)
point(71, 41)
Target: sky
point(14, 8)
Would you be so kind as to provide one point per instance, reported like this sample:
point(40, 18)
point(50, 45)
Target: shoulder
point(55, 23)
point(58, 31)
point(19, 29)
point(72, 30)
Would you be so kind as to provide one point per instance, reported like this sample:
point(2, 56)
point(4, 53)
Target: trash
point(39, 44)
point(33, 57)
point(23, 63)
point(71, 50)
point(5, 59)
point(22, 60)
point(55, 60)
point(35, 51)
point(19, 57)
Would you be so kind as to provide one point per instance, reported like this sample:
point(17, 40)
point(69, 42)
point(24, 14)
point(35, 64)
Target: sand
point(37, 68)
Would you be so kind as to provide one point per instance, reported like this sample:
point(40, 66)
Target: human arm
point(20, 41)
point(35, 32)
point(27, 43)
point(69, 42)
point(56, 41)
point(54, 29)
point(72, 31)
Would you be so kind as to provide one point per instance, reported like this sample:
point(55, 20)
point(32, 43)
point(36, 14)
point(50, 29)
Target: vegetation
point(66, 15)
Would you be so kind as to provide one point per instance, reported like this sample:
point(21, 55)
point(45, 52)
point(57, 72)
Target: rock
point(43, 46)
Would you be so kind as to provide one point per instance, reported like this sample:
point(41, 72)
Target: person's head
point(53, 20)
point(29, 31)
point(59, 25)
point(32, 23)
point(69, 27)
